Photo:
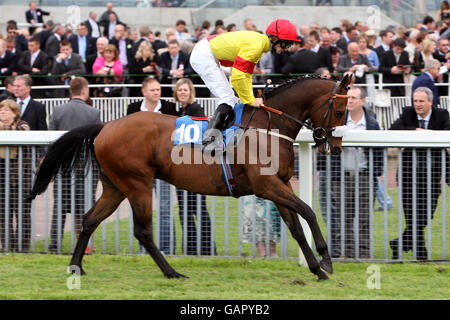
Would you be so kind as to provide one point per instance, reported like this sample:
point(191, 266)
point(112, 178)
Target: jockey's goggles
point(284, 44)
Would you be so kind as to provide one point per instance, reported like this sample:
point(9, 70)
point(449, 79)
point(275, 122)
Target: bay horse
point(132, 151)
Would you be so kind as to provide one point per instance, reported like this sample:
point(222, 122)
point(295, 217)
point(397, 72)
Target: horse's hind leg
point(141, 203)
point(109, 201)
point(291, 220)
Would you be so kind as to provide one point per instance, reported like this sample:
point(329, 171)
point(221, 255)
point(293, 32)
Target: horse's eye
point(339, 114)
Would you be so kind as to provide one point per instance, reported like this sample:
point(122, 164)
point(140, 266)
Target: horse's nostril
point(336, 150)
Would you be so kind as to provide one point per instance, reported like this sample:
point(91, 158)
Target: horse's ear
point(347, 81)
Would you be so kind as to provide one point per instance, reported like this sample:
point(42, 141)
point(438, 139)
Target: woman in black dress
point(195, 204)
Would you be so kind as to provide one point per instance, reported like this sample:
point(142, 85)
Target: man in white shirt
point(92, 25)
point(181, 33)
point(110, 28)
point(359, 185)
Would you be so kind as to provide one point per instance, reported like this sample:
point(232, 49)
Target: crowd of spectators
point(107, 50)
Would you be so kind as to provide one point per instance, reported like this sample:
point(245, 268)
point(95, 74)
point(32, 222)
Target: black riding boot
point(222, 119)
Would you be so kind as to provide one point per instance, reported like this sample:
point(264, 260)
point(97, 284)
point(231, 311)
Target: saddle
point(190, 130)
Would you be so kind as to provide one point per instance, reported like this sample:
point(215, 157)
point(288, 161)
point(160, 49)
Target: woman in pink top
point(104, 66)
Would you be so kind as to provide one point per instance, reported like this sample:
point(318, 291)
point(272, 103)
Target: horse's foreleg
point(282, 194)
point(321, 244)
point(103, 208)
point(141, 204)
point(291, 220)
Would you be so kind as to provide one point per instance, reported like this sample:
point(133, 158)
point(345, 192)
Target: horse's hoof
point(322, 276)
point(176, 275)
point(327, 265)
point(77, 270)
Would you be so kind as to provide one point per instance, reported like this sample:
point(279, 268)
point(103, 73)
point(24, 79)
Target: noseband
point(320, 134)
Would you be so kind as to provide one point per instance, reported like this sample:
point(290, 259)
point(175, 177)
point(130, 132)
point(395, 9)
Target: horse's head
point(329, 116)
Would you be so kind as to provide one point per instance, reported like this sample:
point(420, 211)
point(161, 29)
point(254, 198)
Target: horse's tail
point(71, 149)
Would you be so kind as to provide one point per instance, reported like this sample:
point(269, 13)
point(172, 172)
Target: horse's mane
point(270, 92)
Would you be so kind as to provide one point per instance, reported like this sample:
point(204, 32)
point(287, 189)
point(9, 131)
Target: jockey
point(240, 50)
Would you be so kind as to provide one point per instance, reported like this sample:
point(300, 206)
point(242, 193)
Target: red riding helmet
point(282, 29)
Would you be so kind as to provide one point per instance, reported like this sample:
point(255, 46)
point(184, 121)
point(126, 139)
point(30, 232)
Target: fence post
point(380, 81)
point(305, 189)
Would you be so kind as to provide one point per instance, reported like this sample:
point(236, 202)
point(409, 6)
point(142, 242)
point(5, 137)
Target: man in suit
point(356, 63)
point(387, 37)
point(442, 54)
point(442, 50)
point(31, 111)
point(428, 78)
point(68, 116)
point(180, 32)
point(110, 26)
point(46, 32)
point(302, 61)
point(66, 64)
point(53, 42)
point(422, 116)
point(8, 60)
point(35, 15)
point(124, 46)
point(394, 65)
point(338, 40)
point(19, 39)
point(323, 54)
point(350, 34)
point(159, 44)
point(82, 44)
point(8, 93)
point(174, 65)
point(358, 177)
point(92, 25)
point(35, 62)
point(151, 90)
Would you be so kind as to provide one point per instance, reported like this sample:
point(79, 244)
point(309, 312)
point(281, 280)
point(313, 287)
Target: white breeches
point(208, 68)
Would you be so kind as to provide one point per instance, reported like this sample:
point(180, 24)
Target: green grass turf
point(44, 276)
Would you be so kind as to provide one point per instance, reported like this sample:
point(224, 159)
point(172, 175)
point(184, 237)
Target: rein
point(319, 133)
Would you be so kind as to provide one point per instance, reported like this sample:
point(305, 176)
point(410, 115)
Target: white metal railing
point(376, 138)
point(391, 139)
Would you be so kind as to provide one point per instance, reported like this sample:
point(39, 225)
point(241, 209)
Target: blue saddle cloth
point(191, 129)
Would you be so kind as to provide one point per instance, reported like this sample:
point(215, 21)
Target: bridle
point(320, 134)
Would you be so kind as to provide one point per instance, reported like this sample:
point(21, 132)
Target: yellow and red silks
point(240, 50)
